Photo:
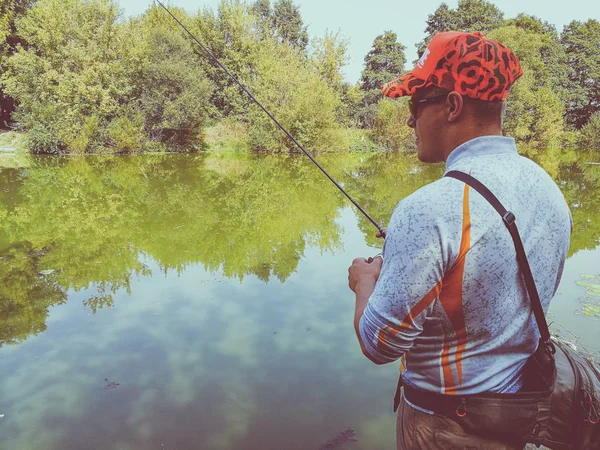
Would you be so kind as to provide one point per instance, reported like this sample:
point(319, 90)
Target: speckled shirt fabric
point(449, 300)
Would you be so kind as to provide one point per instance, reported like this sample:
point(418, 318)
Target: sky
point(361, 21)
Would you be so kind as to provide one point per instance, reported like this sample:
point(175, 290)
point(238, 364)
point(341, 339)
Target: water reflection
point(212, 289)
point(579, 182)
point(89, 221)
point(25, 294)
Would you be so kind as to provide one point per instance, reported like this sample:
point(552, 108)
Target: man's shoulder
point(436, 188)
point(434, 202)
point(507, 171)
point(443, 191)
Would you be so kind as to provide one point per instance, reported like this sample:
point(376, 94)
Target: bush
point(569, 139)
point(353, 139)
point(42, 138)
point(228, 134)
point(70, 81)
point(589, 136)
point(298, 98)
point(390, 128)
point(88, 81)
point(84, 138)
point(43, 135)
point(170, 82)
point(126, 132)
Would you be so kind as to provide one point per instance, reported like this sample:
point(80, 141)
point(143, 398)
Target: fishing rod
point(214, 58)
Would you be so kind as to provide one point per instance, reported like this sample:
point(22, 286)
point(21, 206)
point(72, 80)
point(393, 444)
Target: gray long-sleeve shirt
point(450, 300)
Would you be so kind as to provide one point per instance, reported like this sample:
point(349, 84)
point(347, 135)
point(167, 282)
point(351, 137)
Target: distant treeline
point(77, 76)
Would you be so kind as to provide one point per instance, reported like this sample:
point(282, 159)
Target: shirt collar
point(481, 146)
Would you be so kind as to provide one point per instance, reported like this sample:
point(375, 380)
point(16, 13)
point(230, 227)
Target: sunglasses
point(413, 106)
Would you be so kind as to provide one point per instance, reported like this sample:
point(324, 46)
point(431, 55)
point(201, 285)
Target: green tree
point(535, 113)
point(581, 41)
point(555, 70)
point(71, 78)
point(233, 34)
point(329, 56)
point(589, 137)
point(307, 105)
point(283, 22)
point(288, 25)
point(469, 15)
point(10, 10)
point(170, 85)
point(390, 129)
point(294, 87)
point(262, 10)
point(384, 62)
point(89, 82)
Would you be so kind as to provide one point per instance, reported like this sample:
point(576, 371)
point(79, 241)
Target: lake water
point(201, 301)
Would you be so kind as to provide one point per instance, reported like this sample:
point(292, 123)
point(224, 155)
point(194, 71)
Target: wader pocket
point(559, 407)
point(568, 418)
point(511, 415)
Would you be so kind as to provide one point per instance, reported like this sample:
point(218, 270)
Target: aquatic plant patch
point(591, 284)
point(591, 309)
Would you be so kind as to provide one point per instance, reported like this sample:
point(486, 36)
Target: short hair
point(485, 110)
point(488, 110)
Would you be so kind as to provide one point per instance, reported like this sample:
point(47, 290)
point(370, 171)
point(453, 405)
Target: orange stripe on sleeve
point(414, 312)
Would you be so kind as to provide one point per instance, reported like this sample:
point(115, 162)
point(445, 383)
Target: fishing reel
point(370, 259)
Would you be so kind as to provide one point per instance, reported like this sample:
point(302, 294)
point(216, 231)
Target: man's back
point(449, 292)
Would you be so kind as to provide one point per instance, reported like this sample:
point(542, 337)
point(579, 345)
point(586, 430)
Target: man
point(447, 297)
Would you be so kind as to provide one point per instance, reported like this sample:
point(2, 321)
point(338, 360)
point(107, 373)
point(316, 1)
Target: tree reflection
point(383, 180)
point(386, 178)
point(26, 295)
point(579, 182)
point(581, 187)
point(89, 223)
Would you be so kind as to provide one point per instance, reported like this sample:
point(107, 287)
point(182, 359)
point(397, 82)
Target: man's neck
point(467, 135)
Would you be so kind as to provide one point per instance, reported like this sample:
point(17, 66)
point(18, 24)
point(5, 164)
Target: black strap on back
point(509, 220)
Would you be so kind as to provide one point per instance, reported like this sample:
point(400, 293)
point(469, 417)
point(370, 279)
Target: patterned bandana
point(467, 63)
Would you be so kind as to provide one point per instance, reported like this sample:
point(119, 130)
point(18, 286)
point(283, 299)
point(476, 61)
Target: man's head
point(458, 91)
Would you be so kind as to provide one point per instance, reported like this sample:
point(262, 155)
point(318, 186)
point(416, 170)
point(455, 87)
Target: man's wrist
point(364, 289)
point(365, 285)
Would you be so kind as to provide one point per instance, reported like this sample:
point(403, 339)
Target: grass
point(227, 135)
point(11, 141)
point(232, 135)
point(12, 150)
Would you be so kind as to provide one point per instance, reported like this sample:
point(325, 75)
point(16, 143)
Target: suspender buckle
point(509, 218)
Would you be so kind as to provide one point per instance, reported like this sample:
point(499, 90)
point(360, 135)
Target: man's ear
point(456, 104)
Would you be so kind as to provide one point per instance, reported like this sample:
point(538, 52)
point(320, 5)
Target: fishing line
point(381, 230)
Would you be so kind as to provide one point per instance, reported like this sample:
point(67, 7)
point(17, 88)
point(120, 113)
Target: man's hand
point(363, 274)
